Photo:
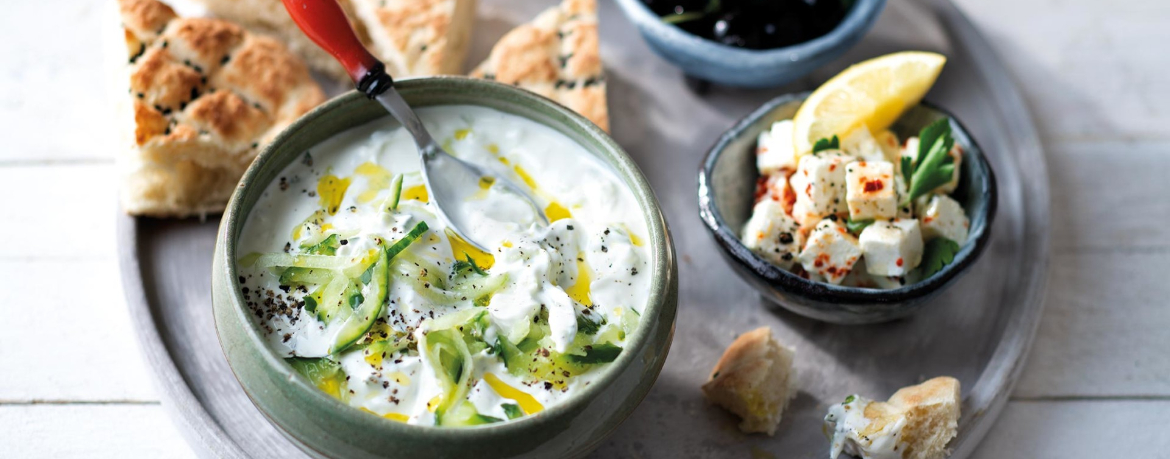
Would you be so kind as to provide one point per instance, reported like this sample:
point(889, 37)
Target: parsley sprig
point(937, 253)
point(468, 265)
point(933, 166)
point(827, 144)
point(855, 226)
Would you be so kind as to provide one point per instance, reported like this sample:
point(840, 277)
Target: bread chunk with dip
point(199, 99)
point(413, 38)
point(916, 423)
point(754, 379)
point(557, 55)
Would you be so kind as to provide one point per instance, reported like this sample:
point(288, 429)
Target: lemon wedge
point(871, 94)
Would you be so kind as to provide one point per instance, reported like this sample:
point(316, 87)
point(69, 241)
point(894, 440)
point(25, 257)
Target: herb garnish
point(855, 226)
point(827, 144)
point(937, 253)
point(588, 326)
point(468, 264)
point(597, 353)
point(849, 400)
point(934, 166)
point(512, 410)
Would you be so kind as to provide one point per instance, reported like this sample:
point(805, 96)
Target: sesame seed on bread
point(412, 37)
point(557, 55)
point(204, 96)
point(418, 37)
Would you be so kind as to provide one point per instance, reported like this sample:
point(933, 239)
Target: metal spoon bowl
point(325, 23)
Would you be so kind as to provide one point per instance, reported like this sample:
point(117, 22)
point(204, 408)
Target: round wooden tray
point(979, 331)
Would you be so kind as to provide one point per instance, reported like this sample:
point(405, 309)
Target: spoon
point(445, 176)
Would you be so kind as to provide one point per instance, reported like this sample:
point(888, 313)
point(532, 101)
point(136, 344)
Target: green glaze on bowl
point(326, 427)
point(727, 183)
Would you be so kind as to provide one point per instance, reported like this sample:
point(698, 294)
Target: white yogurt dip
point(856, 432)
point(440, 333)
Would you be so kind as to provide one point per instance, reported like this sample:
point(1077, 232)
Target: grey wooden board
point(979, 331)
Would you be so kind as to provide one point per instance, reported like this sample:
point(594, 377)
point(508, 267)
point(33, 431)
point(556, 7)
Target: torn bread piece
point(754, 379)
point(557, 55)
point(417, 38)
point(916, 423)
point(269, 17)
point(412, 37)
point(200, 98)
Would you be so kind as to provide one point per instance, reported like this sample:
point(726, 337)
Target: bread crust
point(268, 17)
point(204, 97)
point(922, 418)
point(418, 37)
point(412, 37)
point(557, 55)
point(754, 380)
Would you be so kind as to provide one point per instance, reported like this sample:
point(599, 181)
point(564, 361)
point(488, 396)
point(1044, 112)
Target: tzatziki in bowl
point(362, 326)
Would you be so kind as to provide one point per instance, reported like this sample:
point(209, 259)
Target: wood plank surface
point(66, 335)
point(1090, 429)
point(1098, 379)
point(1090, 70)
point(1027, 429)
point(53, 103)
point(94, 431)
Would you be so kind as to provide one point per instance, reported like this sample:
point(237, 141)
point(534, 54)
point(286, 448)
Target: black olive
point(754, 24)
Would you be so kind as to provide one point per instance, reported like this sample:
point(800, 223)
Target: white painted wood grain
point(1109, 196)
point(52, 89)
point(1027, 429)
point(1091, 70)
point(61, 212)
point(1104, 330)
point(1079, 429)
point(89, 431)
point(1094, 74)
point(66, 334)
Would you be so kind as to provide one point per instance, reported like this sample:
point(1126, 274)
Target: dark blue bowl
point(749, 68)
point(726, 185)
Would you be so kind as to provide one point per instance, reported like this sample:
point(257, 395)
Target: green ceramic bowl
point(326, 427)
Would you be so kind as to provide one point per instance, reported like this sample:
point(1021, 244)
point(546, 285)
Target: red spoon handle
point(325, 24)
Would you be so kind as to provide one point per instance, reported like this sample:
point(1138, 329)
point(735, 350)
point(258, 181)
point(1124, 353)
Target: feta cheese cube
point(775, 151)
point(942, 216)
point(910, 149)
point(870, 190)
point(775, 187)
point(904, 210)
point(891, 248)
point(861, 278)
point(890, 145)
point(819, 183)
point(831, 251)
point(861, 144)
point(772, 234)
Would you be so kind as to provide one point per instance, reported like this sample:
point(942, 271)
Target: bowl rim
point(701, 48)
point(658, 304)
point(730, 243)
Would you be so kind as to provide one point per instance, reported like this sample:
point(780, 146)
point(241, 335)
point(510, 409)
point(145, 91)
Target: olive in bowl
point(750, 43)
point(728, 184)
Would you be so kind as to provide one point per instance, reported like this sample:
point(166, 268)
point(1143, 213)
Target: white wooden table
point(1097, 78)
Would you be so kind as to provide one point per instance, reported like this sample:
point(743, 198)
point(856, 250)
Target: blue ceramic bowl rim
point(662, 253)
point(733, 57)
point(729, 240)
